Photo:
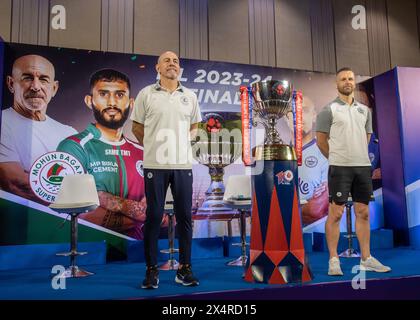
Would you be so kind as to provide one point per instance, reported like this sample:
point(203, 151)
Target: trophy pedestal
point(214, 195)
point(214, 204)
point(277, 254)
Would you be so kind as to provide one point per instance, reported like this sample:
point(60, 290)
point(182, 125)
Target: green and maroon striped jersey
point(116, 166)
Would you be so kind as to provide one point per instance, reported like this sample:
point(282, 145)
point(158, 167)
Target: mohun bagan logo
point(48, 171)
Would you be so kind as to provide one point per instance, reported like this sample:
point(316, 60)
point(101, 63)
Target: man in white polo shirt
point(165, 119)
point(343, 130)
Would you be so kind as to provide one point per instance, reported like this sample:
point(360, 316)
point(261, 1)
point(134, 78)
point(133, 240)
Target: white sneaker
point(334, 268)
point(372, 264)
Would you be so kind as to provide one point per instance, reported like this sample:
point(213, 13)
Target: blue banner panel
point(389, 128)
point(408, 86)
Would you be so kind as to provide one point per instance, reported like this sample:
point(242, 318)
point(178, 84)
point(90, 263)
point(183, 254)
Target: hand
point(97, 216)
point(131, 208)
point(143, 205)
point(111, 220)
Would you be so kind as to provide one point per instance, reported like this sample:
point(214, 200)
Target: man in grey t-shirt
point(165, 119)
point(343, 130)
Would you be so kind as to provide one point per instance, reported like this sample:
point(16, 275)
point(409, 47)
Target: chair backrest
point(77, 191)
point(238, 186)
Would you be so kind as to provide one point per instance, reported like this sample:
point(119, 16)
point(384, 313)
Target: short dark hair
point(108, 75)
point(344, 69)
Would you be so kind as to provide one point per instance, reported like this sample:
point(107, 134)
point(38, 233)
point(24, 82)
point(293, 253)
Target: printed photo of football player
point(115, 162)
point(313, 173)
point(27, 132)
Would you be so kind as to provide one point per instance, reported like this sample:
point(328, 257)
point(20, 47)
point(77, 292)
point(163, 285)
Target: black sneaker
point(151, 281)
point(185, 276)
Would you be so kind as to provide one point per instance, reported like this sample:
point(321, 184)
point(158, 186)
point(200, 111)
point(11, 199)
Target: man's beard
point(34, 105)
point(345, 93)
point(111, 124)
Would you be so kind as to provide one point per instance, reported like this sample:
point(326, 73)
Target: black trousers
point(156, 185)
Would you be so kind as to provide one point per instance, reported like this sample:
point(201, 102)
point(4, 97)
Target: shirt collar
point(339, 101)
point(312, 142)
point(91, 128)
point(158, 87)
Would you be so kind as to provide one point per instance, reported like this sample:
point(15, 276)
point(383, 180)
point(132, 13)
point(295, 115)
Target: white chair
point(171, 264)
point(77, 195)
point(238, 196)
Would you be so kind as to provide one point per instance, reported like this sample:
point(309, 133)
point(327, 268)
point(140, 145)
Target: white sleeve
point(139, 110)
point(196, 113)
point(8, 152)
point(368, 125)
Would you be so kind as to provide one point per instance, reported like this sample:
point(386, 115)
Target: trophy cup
point(277, 254)
point(216, 155)
point(272, 101)
point(216, 152)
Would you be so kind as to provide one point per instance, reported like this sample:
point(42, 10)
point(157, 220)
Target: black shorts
point(350, 181)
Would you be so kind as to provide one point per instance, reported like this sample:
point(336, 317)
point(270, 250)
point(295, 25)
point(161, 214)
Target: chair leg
point(350, 252)
point(243, 238)
point(73, 241)
point(171, 264)
point(242, 260)
point(73, 271)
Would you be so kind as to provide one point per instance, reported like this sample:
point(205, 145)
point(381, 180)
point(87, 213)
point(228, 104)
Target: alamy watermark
point(220, 148)
point(359, 280)
point(359, 20)
point(58, 17)
point(58, 282)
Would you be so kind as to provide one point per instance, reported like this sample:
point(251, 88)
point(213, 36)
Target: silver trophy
point(272, 100)
point(216, 155)
point(219, 145)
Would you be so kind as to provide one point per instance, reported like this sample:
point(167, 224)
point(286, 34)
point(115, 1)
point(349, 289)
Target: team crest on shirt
point(360, 110)
point(311, 161)
point(284, 177)
point(48, 171)
point(185, 100)
point(139, 167)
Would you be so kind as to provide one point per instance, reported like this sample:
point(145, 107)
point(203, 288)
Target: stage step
point(202, 248)
point(33, 256)
point(414, 233)
point(379, 239)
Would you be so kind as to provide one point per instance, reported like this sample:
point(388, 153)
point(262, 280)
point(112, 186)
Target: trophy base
point(275, 152)
point(213, 204)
